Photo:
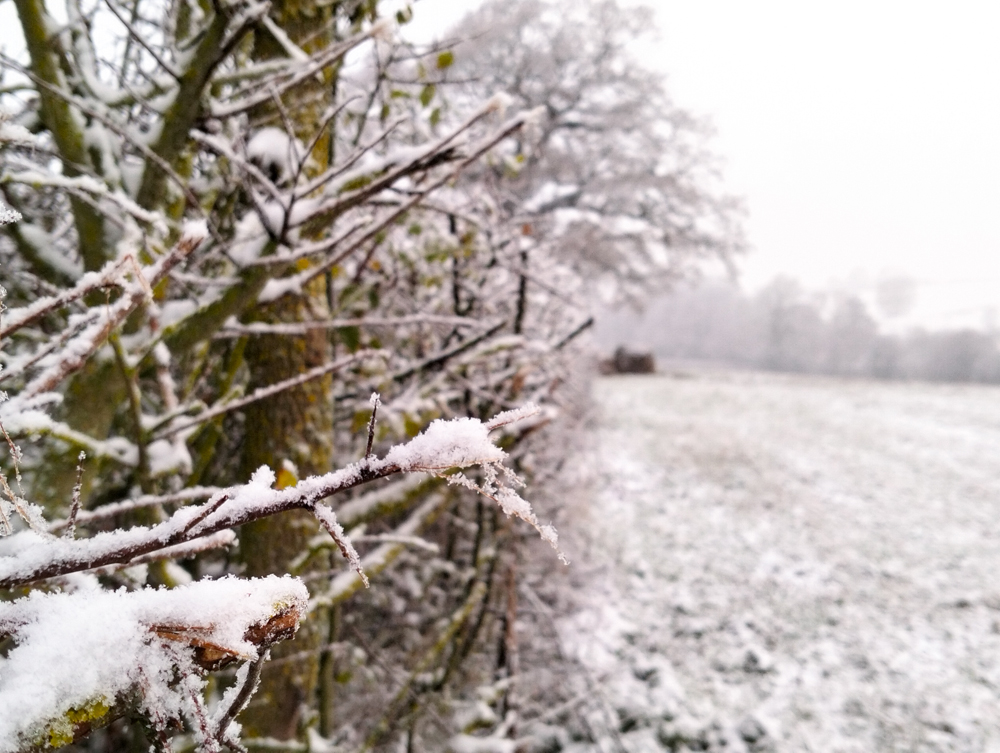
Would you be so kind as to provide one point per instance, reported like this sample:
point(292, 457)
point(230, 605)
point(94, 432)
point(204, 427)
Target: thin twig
point(20, 317)
point(247, 101)
point(213, 505)
point(241, 698)
point(138, 38)
point(218, 540)
point(328, 519)
point(115, 314)
point(440, 359)
point(152, 500)
point(301, 328)
point(74, 510)
point(376, 401)
point(586, 324)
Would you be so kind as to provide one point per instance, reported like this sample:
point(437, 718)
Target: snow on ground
point(795, 564)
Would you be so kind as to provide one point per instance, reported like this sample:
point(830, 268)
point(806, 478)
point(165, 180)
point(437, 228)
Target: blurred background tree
point(784, 328)
point(620, 185)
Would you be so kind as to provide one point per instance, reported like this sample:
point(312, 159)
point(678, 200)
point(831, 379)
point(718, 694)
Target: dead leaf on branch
point(212, 655)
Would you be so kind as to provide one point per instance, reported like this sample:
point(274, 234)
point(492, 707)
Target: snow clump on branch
point(79, 654)
point(465, 442)
point(7, 215)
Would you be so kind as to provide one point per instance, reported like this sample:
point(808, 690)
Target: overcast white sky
point(864, 135)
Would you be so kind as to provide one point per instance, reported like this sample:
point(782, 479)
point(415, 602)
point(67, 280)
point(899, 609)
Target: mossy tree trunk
point(293, 428)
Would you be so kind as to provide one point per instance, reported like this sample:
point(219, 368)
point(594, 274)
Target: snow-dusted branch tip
point(464, 442)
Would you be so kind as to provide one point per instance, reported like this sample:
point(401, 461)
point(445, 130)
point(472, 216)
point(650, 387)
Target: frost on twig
point(465, 442)
point(443, 446)
point(376, 401)
point(7, 215)
point(74, 509)
point(328, 520)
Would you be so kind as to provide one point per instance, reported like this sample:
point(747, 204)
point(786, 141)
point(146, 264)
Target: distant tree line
point(784, 328)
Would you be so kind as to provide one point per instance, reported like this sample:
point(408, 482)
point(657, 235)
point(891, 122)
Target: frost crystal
point(8, 216)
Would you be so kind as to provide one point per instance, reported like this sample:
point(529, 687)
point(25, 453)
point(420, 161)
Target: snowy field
point(794, 564)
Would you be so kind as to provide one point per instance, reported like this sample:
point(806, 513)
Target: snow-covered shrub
point(237, 222)
point(84, 654)
point(216, 261)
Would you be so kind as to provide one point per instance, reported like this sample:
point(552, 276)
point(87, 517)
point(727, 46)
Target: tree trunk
point(293, 427)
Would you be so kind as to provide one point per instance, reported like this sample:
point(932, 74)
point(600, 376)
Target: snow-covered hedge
point(84, 654)
point(239, 219)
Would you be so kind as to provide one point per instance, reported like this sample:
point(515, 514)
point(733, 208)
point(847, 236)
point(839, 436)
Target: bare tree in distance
point(620, 183)
point(895, 295)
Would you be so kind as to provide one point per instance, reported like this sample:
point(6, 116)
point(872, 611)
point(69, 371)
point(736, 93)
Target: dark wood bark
point(296, 426)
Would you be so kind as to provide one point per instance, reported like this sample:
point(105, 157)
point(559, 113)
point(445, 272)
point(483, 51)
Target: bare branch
point(138, 38)
point(188, 549)
point(240, 699)
point(92, 338)
point(242, 101)
point(434, 451)
point(271, 390)
point(300, 328)
point(21, 317)
point(74, 509)
point(376, 400)
point(328, 520)
point(115, 509)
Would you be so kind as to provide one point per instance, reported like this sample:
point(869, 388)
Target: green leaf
point(445, 59)
point(404, 16)
point(427, 94)
point(435, 116)
point(355, 183)
point(351, 337)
